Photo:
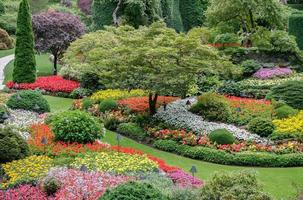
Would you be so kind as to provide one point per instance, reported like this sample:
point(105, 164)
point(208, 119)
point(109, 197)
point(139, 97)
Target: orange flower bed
point(140, 104)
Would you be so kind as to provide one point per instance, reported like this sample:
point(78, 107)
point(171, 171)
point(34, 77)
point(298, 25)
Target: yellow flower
point(117, 94)
point(290, 125)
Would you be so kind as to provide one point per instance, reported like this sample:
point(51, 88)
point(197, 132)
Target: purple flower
point(265, 73)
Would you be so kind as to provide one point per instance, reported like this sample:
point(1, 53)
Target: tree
point(25, 63)
point(154, 58)
point(54, 31)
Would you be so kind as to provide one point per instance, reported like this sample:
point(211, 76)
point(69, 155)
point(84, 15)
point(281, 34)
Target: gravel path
point(3, 62)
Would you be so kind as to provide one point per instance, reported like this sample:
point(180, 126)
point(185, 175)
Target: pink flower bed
point(184, 180)
point(271, 73)
point(24, 192)
point(47, 83)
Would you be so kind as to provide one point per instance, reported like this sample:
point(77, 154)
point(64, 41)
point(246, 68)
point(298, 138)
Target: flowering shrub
point(184, 180)
point(117, 94)
point(47, 83)
point(28, 169)
point(116, 162)
point(291, 125)
point(24, 192)
point(76, 184)
point(141, 104)
point(272, 73)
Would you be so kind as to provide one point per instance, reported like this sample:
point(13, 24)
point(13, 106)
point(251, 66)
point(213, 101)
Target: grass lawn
point(44, 67)
point(277, 181)
point(4, 53)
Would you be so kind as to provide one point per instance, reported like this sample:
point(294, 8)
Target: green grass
point(44, 67)
point(276, 181)
point(58, 103)
point(8, 52)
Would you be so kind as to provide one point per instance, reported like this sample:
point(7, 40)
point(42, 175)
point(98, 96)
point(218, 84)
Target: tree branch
point(115, 17)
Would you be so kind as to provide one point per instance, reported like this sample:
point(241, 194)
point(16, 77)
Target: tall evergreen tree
point(25, 63)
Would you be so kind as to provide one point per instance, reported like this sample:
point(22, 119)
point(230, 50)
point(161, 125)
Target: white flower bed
point(177, 115)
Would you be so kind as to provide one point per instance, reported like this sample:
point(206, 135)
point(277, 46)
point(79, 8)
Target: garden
point(159, 100)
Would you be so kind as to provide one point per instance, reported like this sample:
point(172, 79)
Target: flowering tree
point(54, 31)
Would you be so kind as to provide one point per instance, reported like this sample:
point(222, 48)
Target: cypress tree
point(25, 63)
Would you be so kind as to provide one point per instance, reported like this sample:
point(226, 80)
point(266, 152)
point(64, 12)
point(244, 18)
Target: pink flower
point(265, 73)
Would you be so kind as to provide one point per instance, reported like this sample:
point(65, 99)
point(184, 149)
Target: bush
point(240, 159)
point(208, 83)
point(51, 185)
point(132, 130)
point(285, 111)
point(91, 81)
point(222, 136)
point(2, 8)
point(12, 145)
point(133, 191)
point(250, 67)
point(7, 26)
point(79, 93)
point(87, 103)
point(3, 113)
point(213, 107)
point(108, 105)
point(236, 186)
point(85, 6)
point(295, 27)
point(6, 42)
point(111, 123)
point(290, 92)
point(261, 126)
point(75, 126)
point(28, 100)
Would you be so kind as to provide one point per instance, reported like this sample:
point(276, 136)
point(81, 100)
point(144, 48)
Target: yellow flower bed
point(290, 125)
point(115, 162)
point(117, 94)
point(30, 168)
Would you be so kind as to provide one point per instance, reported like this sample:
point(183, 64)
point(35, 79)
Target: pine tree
point(25, 63)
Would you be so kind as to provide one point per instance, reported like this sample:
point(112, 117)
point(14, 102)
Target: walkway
point(3, 62)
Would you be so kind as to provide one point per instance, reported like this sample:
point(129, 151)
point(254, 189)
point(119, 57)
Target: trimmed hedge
point(296, 27)
point(225, 158)
point(132, 130)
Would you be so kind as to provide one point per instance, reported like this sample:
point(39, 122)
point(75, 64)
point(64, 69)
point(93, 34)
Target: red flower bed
point(47, 83)
point(140, 104)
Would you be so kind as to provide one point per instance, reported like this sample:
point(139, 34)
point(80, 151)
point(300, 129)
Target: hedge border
point(239, 159)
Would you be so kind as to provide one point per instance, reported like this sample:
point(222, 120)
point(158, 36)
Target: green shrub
point(213, 107)
point(261, 126)
point(131, 130)
point(75, 126)
point(133, 191)
point(2, 8)
point(80, 93)
point(111, 123)
point(3, 113)
point(51, 185)
point(285, 111)
point(12, 145)
point(222, 157)
point(295, 27)
point(250, 67)
point(91, 81)
point(208, 83)
point(222, 136)
point(87, 103)
point(290, 92)
point(10, 29)
point(28, 100)
point(108, 105)
point(236, 186)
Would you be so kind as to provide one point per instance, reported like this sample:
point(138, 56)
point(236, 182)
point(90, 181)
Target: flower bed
point(290, 126)
point(266, 73)
point(52, 84)
point(117, 94)
point(141, 104)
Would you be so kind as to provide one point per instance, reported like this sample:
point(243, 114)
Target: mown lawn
point(4, 53)
point(280, 182)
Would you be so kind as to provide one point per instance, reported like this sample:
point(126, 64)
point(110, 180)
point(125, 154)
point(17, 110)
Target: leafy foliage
point(25, 63)
point(250, 67)
point(285, 111)
point(6, 42)
point(131, 130)
point(108, 105)
point(261, 126)
point(295, 27)
point(222, 136)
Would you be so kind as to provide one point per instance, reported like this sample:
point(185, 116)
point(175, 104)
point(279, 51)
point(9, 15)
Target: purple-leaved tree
point(54, 31)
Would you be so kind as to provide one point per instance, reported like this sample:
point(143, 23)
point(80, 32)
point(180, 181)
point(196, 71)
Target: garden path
point(3, 62)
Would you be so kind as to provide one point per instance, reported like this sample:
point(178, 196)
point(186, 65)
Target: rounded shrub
point(249, 67)
point(51, 185)
point(134, 191)
point(75, 126)
point(285, 111)
point(213, 107)
point(3, 113)
point(12, 145)
point(107, 105)
point(6, 42)
point(80, 93)
point(222, 136)
point(261, 126)
point(28, 100)
point(131, 130)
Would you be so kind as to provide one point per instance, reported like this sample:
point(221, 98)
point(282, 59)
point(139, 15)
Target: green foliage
point(3, 113)
point(222, 136)
point(261, 126)
point(203, 34)
point(51, 185)
point(172, 14)
point(226, 38)
point(108, 105)
point(102, 13)
point(28, 100)
point(38, 5)
point(134, 191)
point(290, 92)
point(25, 63)
point(132, 130)
point(285, 111)
point(250, 67)
point(12, 145)
point(111, 123)
point(91, 81)
point(2, 8)
point(221, 157)
point(213, 107)
point(79, 93)
point(295, 27)
point(237, 186)
point(87, 103)
point(75, 126)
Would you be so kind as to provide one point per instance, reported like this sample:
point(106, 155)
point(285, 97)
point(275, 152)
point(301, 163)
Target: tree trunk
point(115, 17)
point(152, 100)
point(55, 64)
